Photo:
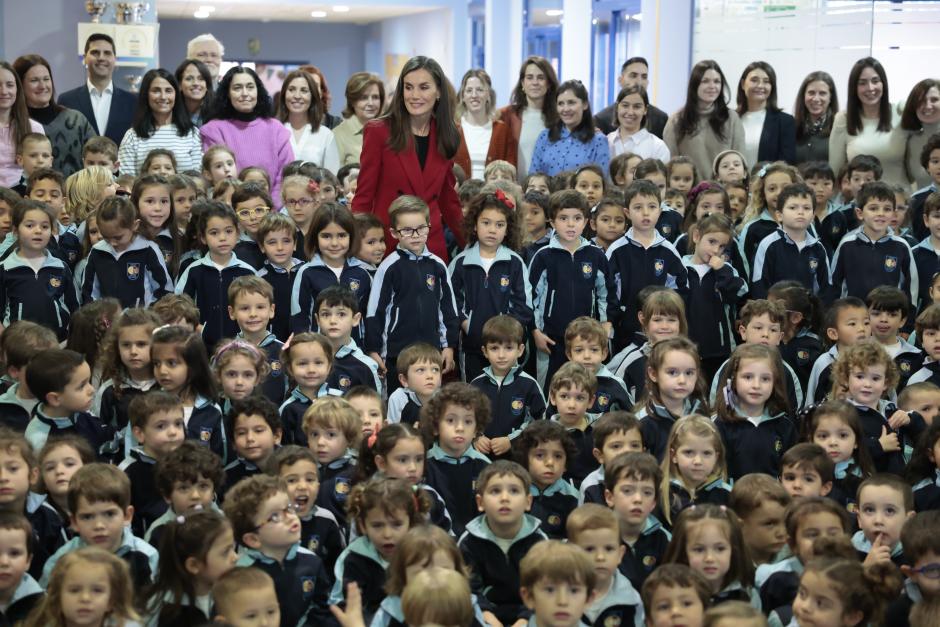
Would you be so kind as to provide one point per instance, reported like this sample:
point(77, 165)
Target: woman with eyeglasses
point(241, 118)
point(67, 129)
point(483, 138)
point(869, 125)
point(572, 141)
point(769, 132)
point(196, 87)
point(410, 151)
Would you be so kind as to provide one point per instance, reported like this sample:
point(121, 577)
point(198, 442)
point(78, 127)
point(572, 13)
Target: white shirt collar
point(107, 90)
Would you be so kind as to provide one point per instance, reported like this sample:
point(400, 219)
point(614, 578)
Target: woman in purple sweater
point(241, 118)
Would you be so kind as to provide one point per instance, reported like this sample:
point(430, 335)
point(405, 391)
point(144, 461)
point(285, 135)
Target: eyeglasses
point(303, 203)
point(412, 232)
point(279, 516)
point(247, 214)
point(930, 571)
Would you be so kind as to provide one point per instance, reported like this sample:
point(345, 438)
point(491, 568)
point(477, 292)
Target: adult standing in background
point(329, 120)
point(300, 109)
point(572, 141)
point(635, 71)
point(242, 119)
point(920, 119)
point(410, 151)
point(110, 109)
point(161, 122)
point(631, 134)
point(869, 124)
point(209, 50)
point(14, 124)
point(482, 138)
point(704, 126)
point(196, 88)
point(531, 108)
point(67, 129)
point(814, 111)
point(365, 95)
point(769, 133)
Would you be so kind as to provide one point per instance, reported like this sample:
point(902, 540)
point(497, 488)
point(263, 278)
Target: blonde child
point(196, 549)
point(674, 388)
point(301, 197)
point(694, 472)
point(557, 583)
point(88, 573)
point(709, 539)
point(715, 288)
point(59, 459)
point(384, 509)
point(759, 219)
point(331, 241)
point(218, 164)
point(256, 175)
point(488, 278)
point(84, 191)
point(752, 411)
point(864, 374)
point(499, 170)
point(181, 367)
point(307, 357)
point(240, 367)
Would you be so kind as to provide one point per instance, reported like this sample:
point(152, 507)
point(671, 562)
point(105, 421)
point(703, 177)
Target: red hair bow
point(504, 198)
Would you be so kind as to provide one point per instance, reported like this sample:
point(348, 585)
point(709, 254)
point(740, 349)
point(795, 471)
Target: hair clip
point(371, 441)
point(698, 189)
point(504, 198)
point(180, 519)
point(286, 345)
point(106, 322)
point(763, 171)
point(160, 328)
point(804, 414)
point(313, 187)
point(730, 397)
point(414, 497)
point(236, 343)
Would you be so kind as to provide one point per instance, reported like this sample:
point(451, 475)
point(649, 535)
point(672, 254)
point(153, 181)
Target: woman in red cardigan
point(410, 151)
point(482, 138)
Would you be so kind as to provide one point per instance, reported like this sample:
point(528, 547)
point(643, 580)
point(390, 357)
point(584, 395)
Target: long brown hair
point(518, 101)
point(25, 63)
point(853, 107)
point(317, 108)
point(688, 117)
point(778, 401)
point(909, 120)
point(19, 114)
point(801, 113)
point(742, 96)
point(398, 118)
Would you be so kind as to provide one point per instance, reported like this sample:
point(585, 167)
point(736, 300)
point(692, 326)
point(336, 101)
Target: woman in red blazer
point(489, 139)
point(410, 151)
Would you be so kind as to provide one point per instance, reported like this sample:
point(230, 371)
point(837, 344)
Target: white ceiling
point(288, 11)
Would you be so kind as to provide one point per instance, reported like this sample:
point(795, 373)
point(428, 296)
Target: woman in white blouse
point(869, 124)
point(631, 134)
point(482, 138)
point(300, 108)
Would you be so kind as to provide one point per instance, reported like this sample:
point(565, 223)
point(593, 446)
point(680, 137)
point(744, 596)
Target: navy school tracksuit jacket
point(25, 597)
point(584, 462)
point(515, 401)
point(620, 605)
point(494, 573)
point(46, 296)
point(634, 267)
point(611, 395)
point(794, 388)
point(927, 493)
point(860, 265)
point(320, 533)
point(656, 423)
point(909, 360)
point(836, 225)
point(137, 276)
point(820, 381)
point(552, 506)
point(42, 427)
point(873, 421)
point(757, 447)
point(361, 563)
point(800, 353)
point(669, 223)
point(315, 276)
point(454, 478)
point(916, 208)
point(752, 234)
point(146, 499)
point(481, 294)
point(352, 367)
point(48, 530)
point(632, 369)
point(411, 301)
point(566, 285)
point(732, 254)
point(281, 282)
point(208, 287)
point(929, 371)
point(779, 258)
point(275, 386)
point(207, 427)
point(292, 414)
point(710, 303)
point(927, 262)
point(640, 559)
point(716, 492)
point(300, 582)
point(15, 412)
point(247, 249)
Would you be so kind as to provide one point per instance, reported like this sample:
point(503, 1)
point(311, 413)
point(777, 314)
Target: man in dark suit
point(109, 109)
point(634, 71)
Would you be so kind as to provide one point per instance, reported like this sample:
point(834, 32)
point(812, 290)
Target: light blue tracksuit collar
point(472, 255)
point(863, 544)
point(439, 454)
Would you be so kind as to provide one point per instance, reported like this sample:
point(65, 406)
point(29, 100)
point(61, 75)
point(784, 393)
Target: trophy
point(96, 9)
point(133, 81)
point(131, 12)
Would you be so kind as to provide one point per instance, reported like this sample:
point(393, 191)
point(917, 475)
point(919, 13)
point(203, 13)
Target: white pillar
point(666, 36)
point(576, 41)
point(502, 40)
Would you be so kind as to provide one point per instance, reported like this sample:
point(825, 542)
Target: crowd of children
point(718, 410)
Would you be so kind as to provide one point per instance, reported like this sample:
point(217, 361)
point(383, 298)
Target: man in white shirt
point(209, 50)
point(109, 109)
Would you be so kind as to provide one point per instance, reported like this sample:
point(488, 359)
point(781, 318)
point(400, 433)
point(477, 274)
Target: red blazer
point(384, 175)
point(503, 147)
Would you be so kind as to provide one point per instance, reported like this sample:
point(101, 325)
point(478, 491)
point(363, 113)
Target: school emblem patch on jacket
point(904, 366)
point(890, 263)
point(341, 489)
point(133, 271)
point(55, 283)
point(313, 543)
point(504, 282)
point(344, 382)
point(205, 434)
point(603, 400)
point(354, 285)
point(666, 229)
point(813, 264)
point(430, 280)
point(658, 266)
point(802, 356)
point(275, 365)
point(587, 269)
point(517, 405)
point(306, 584)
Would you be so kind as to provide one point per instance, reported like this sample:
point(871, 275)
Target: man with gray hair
point(209, 50)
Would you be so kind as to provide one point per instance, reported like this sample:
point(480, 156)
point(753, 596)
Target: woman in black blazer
point(769, 133)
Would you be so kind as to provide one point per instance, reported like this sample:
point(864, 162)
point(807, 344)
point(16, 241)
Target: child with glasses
point(251, 203)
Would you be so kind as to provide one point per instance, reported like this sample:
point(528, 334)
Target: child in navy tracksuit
point(714, 290)
point(586, 344)
point(569, 278)
point(758, 220)
point(412, 299)
point(488, 278)
point(860, 170)
point(889, 308)
point(847, 322)
point(546, 450)
point(35, 285)
point(791, 252)
point(329, 241)
point(276, 237)
point(123, 265)
point(801, 345)
point(207, 279)
point(515, 397)
point(642, 256)
point(927, 255)
point(311, 381)
point(251, 203)
point(338, 315)
point(928, 331)
point(873, 256)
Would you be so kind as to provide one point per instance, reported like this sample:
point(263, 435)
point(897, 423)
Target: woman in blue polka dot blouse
point(572, 141)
